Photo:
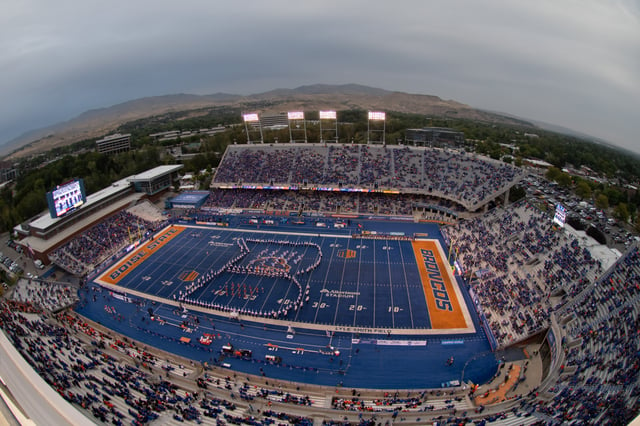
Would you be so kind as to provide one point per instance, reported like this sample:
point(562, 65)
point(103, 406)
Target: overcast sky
point(575, 63)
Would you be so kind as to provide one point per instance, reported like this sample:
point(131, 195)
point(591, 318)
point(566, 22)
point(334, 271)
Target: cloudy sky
point(574, 63)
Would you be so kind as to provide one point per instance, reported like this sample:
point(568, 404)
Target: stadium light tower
point(374, 130)
point(297, 125)
point(252, 125)
point(331, 125)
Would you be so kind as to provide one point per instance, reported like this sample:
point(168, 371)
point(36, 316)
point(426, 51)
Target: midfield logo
point(347, 254)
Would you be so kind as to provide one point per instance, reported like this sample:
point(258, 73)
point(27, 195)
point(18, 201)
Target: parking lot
point(549, 193)
point(15, 262)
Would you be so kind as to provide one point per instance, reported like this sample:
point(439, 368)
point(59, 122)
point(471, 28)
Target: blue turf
point(379, 287)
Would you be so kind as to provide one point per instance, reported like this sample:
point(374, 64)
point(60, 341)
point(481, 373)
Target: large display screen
point(560, 215)
point(295, 115)
point(66, 197)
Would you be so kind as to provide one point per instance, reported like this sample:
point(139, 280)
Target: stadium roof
point(193, 199)
point(45, 221)
point(155, 173)
point(606, 255)
point(43, 246)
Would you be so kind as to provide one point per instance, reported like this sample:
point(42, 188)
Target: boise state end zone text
point(142, 253)
point(435, 281)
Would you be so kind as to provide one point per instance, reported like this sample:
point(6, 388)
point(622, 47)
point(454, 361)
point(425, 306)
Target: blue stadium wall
point(188, 200)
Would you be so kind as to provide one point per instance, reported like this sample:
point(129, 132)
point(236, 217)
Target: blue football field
point(332, 307)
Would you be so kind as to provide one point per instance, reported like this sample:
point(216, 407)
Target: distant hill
point(543, 125)
point(98, 122)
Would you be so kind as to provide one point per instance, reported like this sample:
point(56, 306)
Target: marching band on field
point(264, 271)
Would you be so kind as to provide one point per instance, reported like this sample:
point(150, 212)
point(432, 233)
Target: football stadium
point(321, 284)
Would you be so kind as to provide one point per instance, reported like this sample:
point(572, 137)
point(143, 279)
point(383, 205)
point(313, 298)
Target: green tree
point(633, 211)
point(553, 173)
point(614, 195)
point(622, 212)
point(583, 190)
point(602, 202)
point(33, 203)
point(564, 180)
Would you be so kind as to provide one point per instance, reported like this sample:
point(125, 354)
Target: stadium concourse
point(549, 336)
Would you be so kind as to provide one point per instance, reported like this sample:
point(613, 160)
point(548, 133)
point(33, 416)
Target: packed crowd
point(327, 202)
point(256, 165)
point(520, 268)
point(464, 178)
point(96, 378)
point(116, 381)
point(521, 271)
point(394, 402)
point(45, 295)
point(100, 241)
point(599, 382)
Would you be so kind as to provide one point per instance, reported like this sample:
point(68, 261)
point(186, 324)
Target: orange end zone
point(189, 276)
point(445, 310)
point(114, 274)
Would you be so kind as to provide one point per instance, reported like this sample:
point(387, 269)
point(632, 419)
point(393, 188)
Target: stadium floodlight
point(297, 126)
point(331, 125)
point(327, 115)
point(376, 116)
point(254, 120)
point(250, 118)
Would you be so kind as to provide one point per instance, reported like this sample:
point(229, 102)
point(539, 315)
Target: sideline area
point(114, 274)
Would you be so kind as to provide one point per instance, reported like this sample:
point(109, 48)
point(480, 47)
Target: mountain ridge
point(97, 122)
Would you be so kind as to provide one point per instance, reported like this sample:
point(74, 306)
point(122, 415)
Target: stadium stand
point(328, 202)
point(45, 295)
point(466, 179)
point(85, 372)
point(520, 268)
point(599, 363)
point(115, 380)
point(599, 381)
point(82, 253)
point(524, 275)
